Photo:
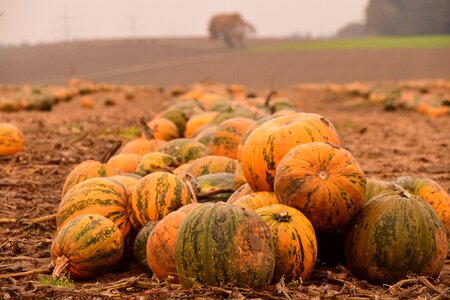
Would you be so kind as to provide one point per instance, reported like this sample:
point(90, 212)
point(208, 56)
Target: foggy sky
point(35, 21)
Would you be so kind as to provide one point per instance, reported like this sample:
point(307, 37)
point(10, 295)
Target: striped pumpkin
point(211, 164)
point(155, 196)
point(233, 242)
point(142, 146)
point(256, 200)
point(226, 139)
point(433, 193)
point(127, 179)
point(396, 233)
point(140, 246)
point(156, 161)
point(204, 134)
point(11, 139)
point(215, 187)
point(267, 144)
point(160, 245)
point(294, 239)
point(103, 196)
point(125, 162)
point(324, 182)
point(375, 187)
point(184, 150)
point(92, 169)
point(87, 246)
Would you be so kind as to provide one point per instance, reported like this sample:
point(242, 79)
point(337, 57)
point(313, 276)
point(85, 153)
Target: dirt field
point(165, 62)
point(386, 145)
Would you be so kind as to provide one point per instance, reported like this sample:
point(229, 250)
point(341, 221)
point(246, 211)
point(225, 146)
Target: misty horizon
point(58, 21)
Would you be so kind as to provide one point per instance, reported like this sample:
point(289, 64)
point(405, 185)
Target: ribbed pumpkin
point(226, 139)
point(375, 187)
point(211, 164)
point(215, 187)
point(256, 200)
point(198, 121)
point(268, 143)
point(220, 243)
point(87, 246)
point(155, 196)
point(394, 234)
point(156, 161)
point(11, 139)
point(161, 244)
point(295, 241)
point(184, 150)
point(163, 129)
point(140, 246)
point(324, 182)
point(125, 162)
point(433, 193)
point(239, 193)
point(103, 196)
point(91, 169)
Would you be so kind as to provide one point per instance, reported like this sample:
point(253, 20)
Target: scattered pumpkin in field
point(211, 164)
point(163, 129)
point(87, 246)
point(184, 150)
point(87, 102)
point(256, 200)
point(395, 234)
point(11, 139)
point(156, 161)
point(145, 144)
point(125, 162)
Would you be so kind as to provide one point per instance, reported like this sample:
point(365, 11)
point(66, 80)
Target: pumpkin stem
point(283, 216)
point(269, 97)
point(61, 264)
point(110, 152)
point(323, 174)
point(191, 191)
point(200, 105)
point(147, 131)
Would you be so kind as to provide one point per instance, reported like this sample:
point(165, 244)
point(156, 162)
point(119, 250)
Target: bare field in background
point(165, 62)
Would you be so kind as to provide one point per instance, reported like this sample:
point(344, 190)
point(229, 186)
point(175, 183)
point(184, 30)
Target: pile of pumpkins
point(228, 188)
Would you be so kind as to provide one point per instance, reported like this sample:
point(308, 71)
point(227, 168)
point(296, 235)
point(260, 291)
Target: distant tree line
point(402, 17)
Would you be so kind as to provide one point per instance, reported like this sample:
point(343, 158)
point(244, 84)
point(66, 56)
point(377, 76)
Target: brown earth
point(165, 62)
point(386, 144)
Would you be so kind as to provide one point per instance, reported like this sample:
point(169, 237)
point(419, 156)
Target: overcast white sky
point(36, 21)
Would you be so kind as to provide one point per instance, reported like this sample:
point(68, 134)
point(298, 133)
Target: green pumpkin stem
point(269, 97)
point(111, 151)
point(147, 131)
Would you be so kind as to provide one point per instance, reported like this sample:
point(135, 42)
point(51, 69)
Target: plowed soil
point(386, 145)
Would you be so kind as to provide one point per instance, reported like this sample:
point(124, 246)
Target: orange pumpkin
point(257, 200)
point(91, 169)
point(155, 196)
point(211, 164)
point(267, 144)
point(11, 139)
point(226, 139)
point(103, 196)
point(125, 162)
point(163, 129)
point(239, 193)
point(161, 243)
point(198, 121)
point(324, 182)
point(294, 239)
point(184, 150)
